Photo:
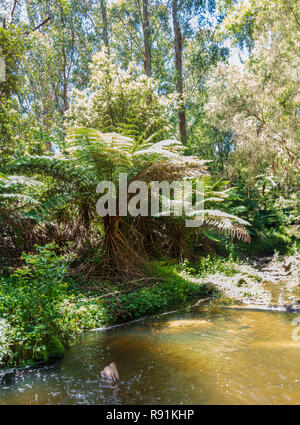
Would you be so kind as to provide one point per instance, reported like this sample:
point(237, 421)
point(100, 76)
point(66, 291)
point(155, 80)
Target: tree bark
point(147, 38)
point(12, 12)
point(37, 27)
point(104, 25)
point(178, 48)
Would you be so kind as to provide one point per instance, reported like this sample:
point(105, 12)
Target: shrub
point(29, 304)
point(40, 312)
point(171, 289)
point(209, 265)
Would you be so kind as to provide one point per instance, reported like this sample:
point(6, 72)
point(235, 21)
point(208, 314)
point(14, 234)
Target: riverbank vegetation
point(183, 91)
point(43, 308)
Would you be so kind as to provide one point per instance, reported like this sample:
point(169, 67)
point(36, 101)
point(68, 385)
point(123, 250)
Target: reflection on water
point(200, 357)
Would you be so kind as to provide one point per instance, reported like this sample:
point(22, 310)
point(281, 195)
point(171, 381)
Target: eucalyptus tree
point(203, 54)
point(174, 42)
point(139, 32)
point(188, 17)
point(12, 48)
point(259, 101)
point(56, 61)
point(136, 20)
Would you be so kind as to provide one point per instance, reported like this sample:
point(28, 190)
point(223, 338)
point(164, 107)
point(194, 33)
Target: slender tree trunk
point(178, 64)
point(104, 24)
point(65, 81)
point(12, 12)
point(147, 38)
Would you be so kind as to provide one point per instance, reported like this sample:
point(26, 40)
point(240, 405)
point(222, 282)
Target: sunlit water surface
point(199, 357)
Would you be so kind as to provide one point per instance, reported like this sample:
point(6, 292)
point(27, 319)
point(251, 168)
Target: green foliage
point(118, 100)
point(29, 303)
point(12, 49)
point(212, 144)
point(258, 101)
point(92, 156)
point(245, 119)
point(170, 290)
point(268, 241)
point(40, 312)
point(210, 264)
point(221, 220)
point(271, 216)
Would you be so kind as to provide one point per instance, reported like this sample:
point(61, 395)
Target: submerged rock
point(189, 323)
point(181, 326)
point(110, 373)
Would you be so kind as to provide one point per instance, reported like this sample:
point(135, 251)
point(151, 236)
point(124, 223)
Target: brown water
point(199, 357)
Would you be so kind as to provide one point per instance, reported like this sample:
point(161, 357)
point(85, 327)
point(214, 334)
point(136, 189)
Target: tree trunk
point(147, 38)
point(178, 64)
point(120, 256)
point(65, 81)
point(104, 25)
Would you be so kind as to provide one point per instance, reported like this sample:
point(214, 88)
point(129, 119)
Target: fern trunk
point(120, 257)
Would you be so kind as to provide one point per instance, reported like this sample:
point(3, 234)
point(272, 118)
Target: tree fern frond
point(213, 199)
point(62, 169)
point(20, 198)
point(165, 148)
point(13, 181)
point(77, 137)
point(216, 214)
point(224, 222)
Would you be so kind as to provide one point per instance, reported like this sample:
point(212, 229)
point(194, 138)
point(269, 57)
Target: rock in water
point(110, 373)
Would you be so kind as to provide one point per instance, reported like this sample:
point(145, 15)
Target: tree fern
point(91, 156)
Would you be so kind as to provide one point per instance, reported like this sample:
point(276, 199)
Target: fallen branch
point(109, 294)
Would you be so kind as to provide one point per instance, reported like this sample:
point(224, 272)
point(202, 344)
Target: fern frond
point(9, 182)
point(223, 222)
point(20, 198)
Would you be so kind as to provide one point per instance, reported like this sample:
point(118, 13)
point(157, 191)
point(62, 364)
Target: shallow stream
point(204, 356)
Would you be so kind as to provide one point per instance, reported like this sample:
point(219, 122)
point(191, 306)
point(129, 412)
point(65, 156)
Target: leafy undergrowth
point(264, 242)
point(168, 290)
point(209, 265)
point(42, 309)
